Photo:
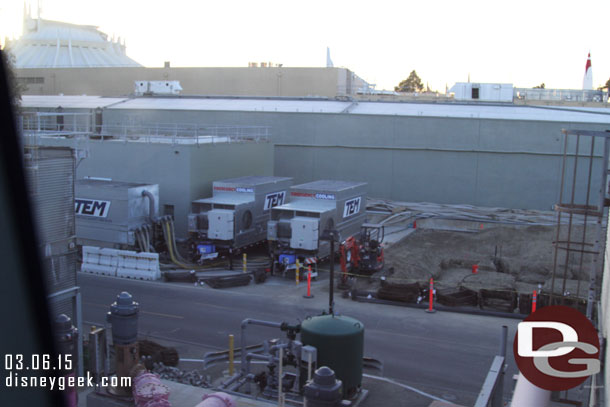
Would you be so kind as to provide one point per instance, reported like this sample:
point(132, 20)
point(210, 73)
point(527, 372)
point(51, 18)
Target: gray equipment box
point(108, 212)
point(314, 207)
point(237, 214)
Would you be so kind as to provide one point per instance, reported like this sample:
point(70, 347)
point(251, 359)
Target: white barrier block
point(142, 266)
point(121, 263)
point(98, 269)
point(136, 274)
point(99, 261)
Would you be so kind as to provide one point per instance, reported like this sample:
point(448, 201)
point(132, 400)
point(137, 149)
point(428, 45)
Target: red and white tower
point(587, 82)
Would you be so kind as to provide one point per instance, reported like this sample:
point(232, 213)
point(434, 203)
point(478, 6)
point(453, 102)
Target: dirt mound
point(489, 280)
point(504, 255)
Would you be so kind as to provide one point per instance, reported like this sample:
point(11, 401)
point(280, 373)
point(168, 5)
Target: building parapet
point(35, 125)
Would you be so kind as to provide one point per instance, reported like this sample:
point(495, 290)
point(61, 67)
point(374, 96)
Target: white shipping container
point(487, 92)
point(157, 88)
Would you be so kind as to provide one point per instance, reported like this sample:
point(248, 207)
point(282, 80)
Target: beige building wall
point(251, 81)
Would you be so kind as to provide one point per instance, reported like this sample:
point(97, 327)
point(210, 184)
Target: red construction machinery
point(363, 255)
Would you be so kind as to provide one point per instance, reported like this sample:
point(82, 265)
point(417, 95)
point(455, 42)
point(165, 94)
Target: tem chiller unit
point(116, 214)
point(296, 229)
point(236, 216)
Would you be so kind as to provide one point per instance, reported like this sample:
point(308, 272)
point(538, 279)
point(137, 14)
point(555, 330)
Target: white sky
point(519, 42)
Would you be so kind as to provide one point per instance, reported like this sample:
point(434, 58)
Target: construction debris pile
point(164, 360)
point(192, 378)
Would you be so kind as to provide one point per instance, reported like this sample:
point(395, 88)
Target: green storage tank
point(340, 344)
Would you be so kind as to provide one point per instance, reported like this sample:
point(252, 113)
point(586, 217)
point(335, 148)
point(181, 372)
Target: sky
point(520, 42)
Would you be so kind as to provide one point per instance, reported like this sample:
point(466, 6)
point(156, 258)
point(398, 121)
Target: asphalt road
point(445, 354)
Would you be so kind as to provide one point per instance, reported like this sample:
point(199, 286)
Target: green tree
point(412, 84)
point(16, 88)
point(606, 86)
point(541, 86)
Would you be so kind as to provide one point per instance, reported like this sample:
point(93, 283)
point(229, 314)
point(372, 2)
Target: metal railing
point(183, 133)
point(568, 95)
point(492, 391)
point(82, 125)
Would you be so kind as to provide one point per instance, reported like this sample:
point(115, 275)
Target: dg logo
point(557, 348)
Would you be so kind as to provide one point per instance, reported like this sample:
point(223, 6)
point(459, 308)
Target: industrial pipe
point(247, 378)
point(123, 316)
point(148, 390)
point(232, 380)
point(280, 384)
point(244, 325)
point(270, 358)
point(296, 348)
point(146, 233)
point(140, 239)
point(151, 204)
point(527, 394)
point(167, 226)
point(173, 234)
point(331, 236)
point(218, 399)
point(259, 356)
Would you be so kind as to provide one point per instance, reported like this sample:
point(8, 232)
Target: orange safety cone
point(534, 295)
point(309, 294)
point(431, 297)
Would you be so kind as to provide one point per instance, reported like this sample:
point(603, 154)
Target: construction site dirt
point(486, 259)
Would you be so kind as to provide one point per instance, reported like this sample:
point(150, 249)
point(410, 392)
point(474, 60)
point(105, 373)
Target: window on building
point(475, 93)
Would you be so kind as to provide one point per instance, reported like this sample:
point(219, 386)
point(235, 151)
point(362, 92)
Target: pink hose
point(148, 391)
point(218, 399)
point(70, 394)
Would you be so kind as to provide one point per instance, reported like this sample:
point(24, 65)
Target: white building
point(488, 92)
point(55, 44)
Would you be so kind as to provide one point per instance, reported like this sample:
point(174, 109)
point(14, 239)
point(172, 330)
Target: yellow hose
point(171, 247)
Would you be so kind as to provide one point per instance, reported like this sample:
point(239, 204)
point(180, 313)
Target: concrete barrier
point(121, 263)
point(99, 261)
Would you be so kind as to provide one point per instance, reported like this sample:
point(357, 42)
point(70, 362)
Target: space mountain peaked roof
point(587, 82)
point(55, 44)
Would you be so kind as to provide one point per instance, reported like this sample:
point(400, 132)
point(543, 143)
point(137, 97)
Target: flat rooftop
point(227, 199)
point(108, 183)
point(328, 185)
point(321, 106)
point(253, 180)
point(310, 205)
